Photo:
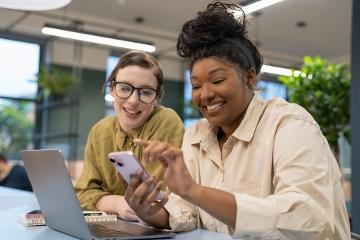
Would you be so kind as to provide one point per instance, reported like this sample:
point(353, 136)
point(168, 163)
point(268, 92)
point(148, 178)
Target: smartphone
point(126, 164)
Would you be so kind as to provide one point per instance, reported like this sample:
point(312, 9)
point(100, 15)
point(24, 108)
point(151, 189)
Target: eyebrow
point(211, 72)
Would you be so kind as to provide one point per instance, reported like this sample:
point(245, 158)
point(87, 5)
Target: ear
point(251, 78)
point(155, 102)
point(112, 93)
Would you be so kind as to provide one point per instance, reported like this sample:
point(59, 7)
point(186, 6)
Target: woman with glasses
point(136, 86)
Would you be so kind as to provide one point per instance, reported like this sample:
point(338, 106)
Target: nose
point(207, 93)
point(134, 97)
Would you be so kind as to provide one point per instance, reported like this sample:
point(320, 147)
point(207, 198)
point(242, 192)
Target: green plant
point(16, 127)
point(323, 89)
point(54, 80)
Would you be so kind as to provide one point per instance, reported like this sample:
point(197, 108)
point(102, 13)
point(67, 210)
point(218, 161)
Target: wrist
point(193, 191)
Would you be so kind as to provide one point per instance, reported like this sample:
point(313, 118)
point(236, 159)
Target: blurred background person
point(13, 175)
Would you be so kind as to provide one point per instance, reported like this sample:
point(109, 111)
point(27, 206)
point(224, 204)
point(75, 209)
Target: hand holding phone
point(127, 164)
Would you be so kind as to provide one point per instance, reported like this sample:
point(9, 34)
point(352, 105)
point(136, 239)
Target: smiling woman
point(136, 87)
point(250, 168)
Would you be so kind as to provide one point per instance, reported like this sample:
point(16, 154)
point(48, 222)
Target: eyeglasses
point(125, 90)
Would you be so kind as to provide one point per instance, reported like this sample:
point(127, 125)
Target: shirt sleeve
point(183, 216)
point(302, 206)
point(88, 187)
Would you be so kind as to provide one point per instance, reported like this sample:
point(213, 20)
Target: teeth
point(131, 111)
point(212, 107)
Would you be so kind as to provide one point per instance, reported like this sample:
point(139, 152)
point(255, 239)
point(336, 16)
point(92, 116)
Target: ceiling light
point(279, 70)
point(33, 5)
point(96, 38)
point(255, 7)
point(259, 5)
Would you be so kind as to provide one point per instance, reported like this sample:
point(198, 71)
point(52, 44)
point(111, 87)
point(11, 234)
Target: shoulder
point(18, 170)
point(198, 131)
point(164, 113)
point(280, 111)
point(104, 127)
point(164, 116)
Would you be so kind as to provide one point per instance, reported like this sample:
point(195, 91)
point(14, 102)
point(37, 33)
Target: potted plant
point(54, 81)
point(323, 89)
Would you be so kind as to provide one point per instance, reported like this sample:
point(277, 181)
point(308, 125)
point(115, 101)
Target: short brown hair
point(3, 158)
point(143, 60)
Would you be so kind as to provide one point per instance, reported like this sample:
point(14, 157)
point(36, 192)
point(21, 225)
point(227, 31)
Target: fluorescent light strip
point(279, 70)
point(97, 39)
point(259, 5)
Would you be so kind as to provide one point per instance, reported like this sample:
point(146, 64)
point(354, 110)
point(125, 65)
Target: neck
point(222, 137)
point(229, 129)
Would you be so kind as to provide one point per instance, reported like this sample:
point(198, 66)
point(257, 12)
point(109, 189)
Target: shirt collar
point(245, 131)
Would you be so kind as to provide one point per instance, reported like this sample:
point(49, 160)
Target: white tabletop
point(15, 202)
point(11, 198)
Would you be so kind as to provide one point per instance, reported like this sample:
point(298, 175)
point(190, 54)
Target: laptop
point(60, 206)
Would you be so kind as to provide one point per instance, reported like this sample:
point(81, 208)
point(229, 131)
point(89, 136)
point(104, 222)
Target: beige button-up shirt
point(278, 165)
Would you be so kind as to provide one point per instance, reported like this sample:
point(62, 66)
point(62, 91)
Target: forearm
point(159, 220)
point(109, 203)
point(218, 203)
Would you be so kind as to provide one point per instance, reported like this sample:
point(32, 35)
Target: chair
point(355, 236)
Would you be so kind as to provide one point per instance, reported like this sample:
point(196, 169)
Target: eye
point(125, 88)
point(194, 86)
point(218, 81)
point(147, 92)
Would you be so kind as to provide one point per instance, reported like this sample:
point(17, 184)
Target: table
point(15, 202)
point(11, 198)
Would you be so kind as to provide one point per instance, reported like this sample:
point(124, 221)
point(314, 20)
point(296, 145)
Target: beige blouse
point(278, 165)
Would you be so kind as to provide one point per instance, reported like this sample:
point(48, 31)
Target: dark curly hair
point(216, 32)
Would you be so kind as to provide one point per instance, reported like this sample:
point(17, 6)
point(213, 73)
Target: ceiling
point(327, 32)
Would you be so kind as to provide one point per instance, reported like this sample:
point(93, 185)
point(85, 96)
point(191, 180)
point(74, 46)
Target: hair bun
point(219, 31)
point(208, 27)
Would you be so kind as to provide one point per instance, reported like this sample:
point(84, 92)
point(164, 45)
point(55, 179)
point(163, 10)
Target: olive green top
point(99, 177)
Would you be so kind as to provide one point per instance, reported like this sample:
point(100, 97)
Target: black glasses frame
point(138, 91)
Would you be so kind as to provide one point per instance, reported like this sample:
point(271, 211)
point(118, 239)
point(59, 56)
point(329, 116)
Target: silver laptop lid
point(54, 192)
point(60, 206)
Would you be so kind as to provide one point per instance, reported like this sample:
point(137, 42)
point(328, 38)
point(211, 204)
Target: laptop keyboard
point(102, 230)
point(121, 229)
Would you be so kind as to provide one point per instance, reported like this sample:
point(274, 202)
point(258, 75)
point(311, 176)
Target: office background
point(284, 34)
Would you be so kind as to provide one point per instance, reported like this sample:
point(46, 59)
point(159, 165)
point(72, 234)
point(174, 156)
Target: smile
point(131, 112)
point(214, 107)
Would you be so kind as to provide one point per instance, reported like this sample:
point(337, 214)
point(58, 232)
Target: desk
point(11, 198)
point(15, 202)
